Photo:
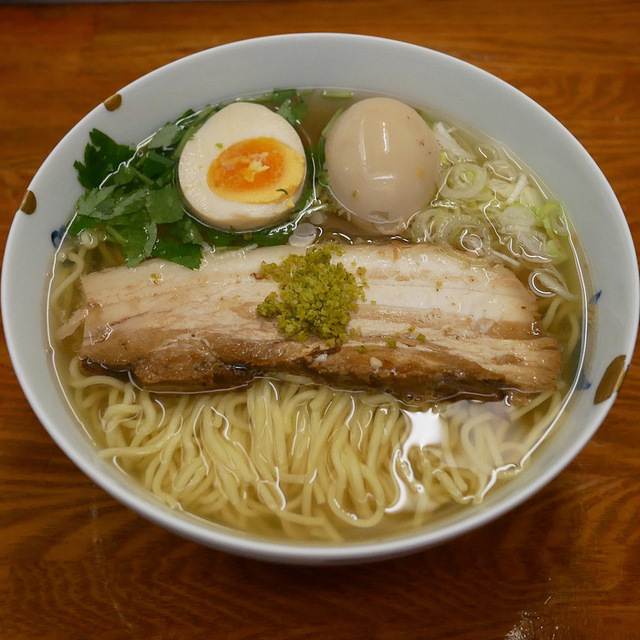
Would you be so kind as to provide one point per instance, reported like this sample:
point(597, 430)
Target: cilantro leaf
point(155, 163)
point(188, 255)
point(164, 205)
point(82, 223)
point(108, 203)
point(289, 103)
point(167, 136)
point(136, 234)
point(127, 174)
point(101, 158)
point(127, 203)
point(96, 203)
point(293, 110)
point(187, 230)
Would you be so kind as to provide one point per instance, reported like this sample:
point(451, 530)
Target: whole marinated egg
point(382, 161)
point(243, 169)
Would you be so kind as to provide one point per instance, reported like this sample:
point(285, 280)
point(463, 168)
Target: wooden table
point(74, 563)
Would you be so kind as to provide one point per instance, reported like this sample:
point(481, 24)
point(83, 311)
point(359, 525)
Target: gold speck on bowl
point(611, 380)
point(113, 102)
point(29, 202)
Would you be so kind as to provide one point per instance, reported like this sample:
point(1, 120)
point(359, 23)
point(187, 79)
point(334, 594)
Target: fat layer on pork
point(457, 328)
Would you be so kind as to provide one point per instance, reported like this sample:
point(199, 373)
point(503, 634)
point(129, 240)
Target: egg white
point(234, 123)
point(382, 160)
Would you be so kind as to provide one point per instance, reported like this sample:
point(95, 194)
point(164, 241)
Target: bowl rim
point(257, 547)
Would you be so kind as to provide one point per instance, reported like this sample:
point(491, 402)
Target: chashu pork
point(432, 326)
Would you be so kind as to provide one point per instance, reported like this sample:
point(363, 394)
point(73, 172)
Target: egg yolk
point(256, 171)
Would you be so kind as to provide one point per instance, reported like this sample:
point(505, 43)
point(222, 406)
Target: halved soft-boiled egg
point(243, 169)
point(382, 161)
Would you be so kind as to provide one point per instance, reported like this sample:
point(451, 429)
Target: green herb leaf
point(187, 230)
point(165, 205)
point(136, 234)
point(167, 136)
point(82, 223)
point(127, 203)
point(96, 203)
point(127, 174)
point(188, 255)
point(155, 163)
point(101, 158)
point(293, 110)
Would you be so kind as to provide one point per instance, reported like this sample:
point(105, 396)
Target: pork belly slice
point(457, 328)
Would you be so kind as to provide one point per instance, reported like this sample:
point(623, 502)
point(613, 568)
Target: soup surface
point(391, 404)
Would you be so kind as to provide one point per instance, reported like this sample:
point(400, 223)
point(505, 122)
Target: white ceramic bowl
point(408, 72)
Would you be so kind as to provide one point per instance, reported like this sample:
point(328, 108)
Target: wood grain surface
point(74, 563)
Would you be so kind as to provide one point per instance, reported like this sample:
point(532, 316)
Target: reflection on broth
point(412, 407)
